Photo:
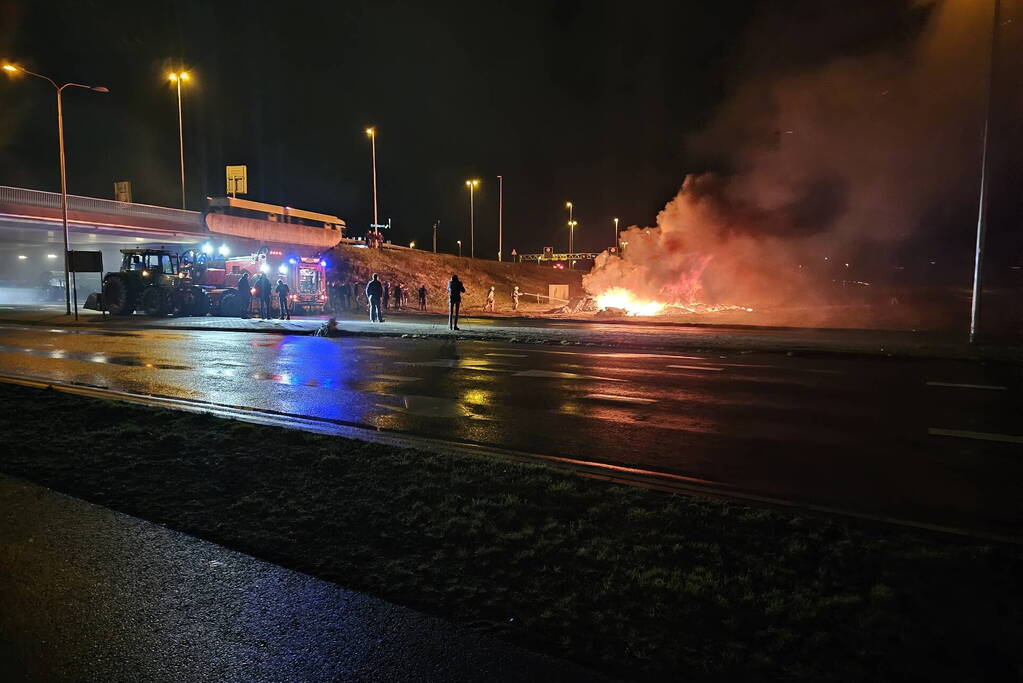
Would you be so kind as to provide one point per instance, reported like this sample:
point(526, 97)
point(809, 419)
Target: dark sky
point(588, 101)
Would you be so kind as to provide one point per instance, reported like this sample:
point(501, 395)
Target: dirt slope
point(413, 267)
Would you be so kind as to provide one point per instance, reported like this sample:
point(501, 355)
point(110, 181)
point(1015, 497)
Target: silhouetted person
point(244, 294)
point(455, 292)
point(346, 295)
point(375, 292)
point(397, 296)
point(387, 295)
point(282, 290)
point(264, 291)
point(489, 306)
point(515, 298)
point(422, 297)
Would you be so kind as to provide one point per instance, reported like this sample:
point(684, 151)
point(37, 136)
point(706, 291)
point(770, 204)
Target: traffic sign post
point(237, 180)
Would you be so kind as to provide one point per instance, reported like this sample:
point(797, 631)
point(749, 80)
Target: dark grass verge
point(634, 583)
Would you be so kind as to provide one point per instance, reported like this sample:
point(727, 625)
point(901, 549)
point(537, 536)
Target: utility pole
point(500, 217)
point(978, 259)
point(435, 224)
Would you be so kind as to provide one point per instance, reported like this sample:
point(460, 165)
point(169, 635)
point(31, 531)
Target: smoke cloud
point(847, 158)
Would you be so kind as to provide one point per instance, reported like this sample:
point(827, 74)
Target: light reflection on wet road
point(841, 432)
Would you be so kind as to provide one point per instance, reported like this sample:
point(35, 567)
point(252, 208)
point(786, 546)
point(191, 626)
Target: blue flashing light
point(323, 263)
point(292, 260)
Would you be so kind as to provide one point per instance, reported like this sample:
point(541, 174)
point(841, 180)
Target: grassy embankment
point(413, 267)
point(635, 583)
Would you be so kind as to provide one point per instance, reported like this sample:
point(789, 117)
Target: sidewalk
point(90, 594)
point(652, 336)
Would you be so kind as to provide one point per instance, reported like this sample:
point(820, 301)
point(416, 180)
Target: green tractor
point(150, 281)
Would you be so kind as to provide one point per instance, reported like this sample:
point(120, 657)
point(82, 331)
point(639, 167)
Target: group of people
point(343, 296)
point(377, 291)
point(263, 290)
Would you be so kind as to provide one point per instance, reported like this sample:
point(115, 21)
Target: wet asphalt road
point(849, 433)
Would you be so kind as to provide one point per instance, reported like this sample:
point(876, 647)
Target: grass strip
point(634, 583)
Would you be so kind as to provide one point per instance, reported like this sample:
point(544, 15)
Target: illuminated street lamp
point(372, 133)
point(615, 243)
point(12, 69)
point(571, 242)
point(459, 247)
point(472, 185)
point(412, 244)
point(177, 78)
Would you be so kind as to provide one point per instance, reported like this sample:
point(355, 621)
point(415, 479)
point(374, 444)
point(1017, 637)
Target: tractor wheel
point(201, 305)
point(230, 304)
point(154, 301)
point(116, 297)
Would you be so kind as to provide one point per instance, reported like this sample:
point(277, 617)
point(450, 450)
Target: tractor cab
point(155, 264)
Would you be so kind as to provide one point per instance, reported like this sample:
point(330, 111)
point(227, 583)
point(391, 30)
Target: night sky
point(593, 102)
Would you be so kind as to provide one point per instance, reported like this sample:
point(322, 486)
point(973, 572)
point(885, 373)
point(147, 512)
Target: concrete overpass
point(31, 233)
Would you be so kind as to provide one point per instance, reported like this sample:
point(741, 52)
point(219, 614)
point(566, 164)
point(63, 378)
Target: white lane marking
point(563, 375)
point(618, 355)
point(696, 367)
point(980, 436)
point(507, 355)
point(619, 399)
point(966, 386)
point(397, 378)
point(782, 367)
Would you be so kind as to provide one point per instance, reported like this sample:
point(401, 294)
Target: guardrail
point(51, 200)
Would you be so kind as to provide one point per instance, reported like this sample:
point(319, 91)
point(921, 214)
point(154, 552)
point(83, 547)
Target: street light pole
point(372, 133)
point(615, 243)
point(459, 248)
point(10, 68)
point(435, 224)
point(500, 217)
point(978, 259)
point(571, 243)
point(176, 78)
point(472, 185)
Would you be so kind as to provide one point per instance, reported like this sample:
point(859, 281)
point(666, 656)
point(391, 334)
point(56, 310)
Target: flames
point(619, 297)
point(622, 299)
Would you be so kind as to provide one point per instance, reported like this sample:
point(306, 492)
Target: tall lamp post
point(177, 78)
point(372, 133)
point(571, 242)
point(500, 217)
point(459, 247)
point(472, 185)
point(978, 258)
point(615, 243)
point(11, 68)
point(435, 224)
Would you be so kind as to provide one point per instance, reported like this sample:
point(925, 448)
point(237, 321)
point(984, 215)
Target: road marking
point(397, 378)
point(967, 386)
point(980, 436)
point(507, 355)
point(782, 367)
point(619, 355)
point(619, 399)
point(696, 367)
point(563, 375)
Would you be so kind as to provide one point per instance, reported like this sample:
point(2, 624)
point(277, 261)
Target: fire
point(619, 297)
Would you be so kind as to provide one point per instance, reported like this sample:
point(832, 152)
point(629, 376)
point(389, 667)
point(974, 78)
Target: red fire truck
point(306, 277)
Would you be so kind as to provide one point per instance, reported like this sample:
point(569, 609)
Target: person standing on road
point(346, 295)
point(244, 294)
point(455, 292)
point(422, 297)
point(515, 298)
point(489, 306)
point(282, 290)
point(387, 295)
point(264, 290)
point(397, 296)
point(374, 292)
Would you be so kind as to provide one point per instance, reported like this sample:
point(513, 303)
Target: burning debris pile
point(852, 155)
